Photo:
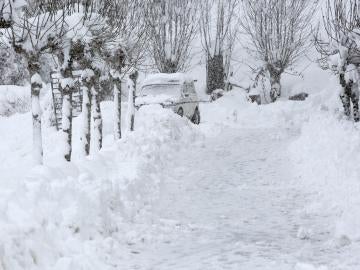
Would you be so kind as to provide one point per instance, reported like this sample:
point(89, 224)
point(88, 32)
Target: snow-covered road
point(171, 196)
point(231, 202)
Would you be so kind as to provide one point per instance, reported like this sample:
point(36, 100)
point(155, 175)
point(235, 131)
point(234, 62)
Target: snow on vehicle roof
point(165, 78)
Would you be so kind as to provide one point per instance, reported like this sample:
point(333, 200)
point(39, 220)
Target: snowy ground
point(237, 192)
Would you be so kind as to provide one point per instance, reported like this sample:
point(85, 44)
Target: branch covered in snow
point(172, 27)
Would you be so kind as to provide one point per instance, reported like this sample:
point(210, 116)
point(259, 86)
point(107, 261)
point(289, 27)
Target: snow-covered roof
point(165, 78)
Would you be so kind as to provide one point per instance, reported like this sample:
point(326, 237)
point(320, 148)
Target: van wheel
point(180, 112)
point(196, 117)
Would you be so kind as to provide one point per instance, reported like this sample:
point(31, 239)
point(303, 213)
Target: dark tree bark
point(275, 82)
point(117, 107)
point(215, 73)
point(86, 111)
point(348, 96)
point(67, 120)
point(97, 118)
point(133, 77)
point(355, 102)
point(106, 87)
point(67, 88)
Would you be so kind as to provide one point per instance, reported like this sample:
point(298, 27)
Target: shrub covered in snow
point(13, 69)
point(14, 99)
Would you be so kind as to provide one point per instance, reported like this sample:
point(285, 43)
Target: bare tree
point(127, 52)
point(339, 49)
point(54, 27)
point(5, 14)
point(94, 68)
point(89, 53)
point(67, 88)
point(34, 32)
point(279, 32)
point(218, 28)
point(111, 44)
point(172, 27)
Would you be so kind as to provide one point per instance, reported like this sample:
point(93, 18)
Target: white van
point(175, 91)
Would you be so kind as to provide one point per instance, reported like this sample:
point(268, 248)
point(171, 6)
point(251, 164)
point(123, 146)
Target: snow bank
point(14, 99)
point(235, 111)
point(302, 266)
point(79, 215)
point(327, 157)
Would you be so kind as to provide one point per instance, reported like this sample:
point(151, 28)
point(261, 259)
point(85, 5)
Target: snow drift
point(327, 156)
point(236, 111)
point(67, 215)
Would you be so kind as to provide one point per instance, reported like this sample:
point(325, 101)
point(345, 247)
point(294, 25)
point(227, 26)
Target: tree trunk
point(86, 115)
point(36, 86)
point(132, 96)
point(275, 78)
point(117, 108)
point(97, 118)
point(345, 99)
point(67, 88)
point(350, 94)
point(67, 120)
point(355, 102)
point(215, 73)
point(131, 107)
point(345, 95)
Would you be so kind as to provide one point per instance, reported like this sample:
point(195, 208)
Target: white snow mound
point(68, 216)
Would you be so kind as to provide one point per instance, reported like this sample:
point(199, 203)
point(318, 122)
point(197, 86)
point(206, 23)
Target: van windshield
point(161, 89)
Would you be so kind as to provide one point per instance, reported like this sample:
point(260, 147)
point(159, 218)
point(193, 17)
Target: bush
point(14, 99)
point(13, 69)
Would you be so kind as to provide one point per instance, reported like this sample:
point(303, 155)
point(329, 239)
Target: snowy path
point(227, 201)
point(230, 203)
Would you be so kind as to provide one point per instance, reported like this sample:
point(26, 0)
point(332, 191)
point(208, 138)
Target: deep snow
point(252, 187)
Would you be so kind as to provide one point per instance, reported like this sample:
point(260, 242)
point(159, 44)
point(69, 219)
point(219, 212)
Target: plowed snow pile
point(327, 158)
point(67, 216)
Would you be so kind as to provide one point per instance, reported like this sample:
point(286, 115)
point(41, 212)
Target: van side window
point(186, 88)
point(192, 88)
point(189, 88)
